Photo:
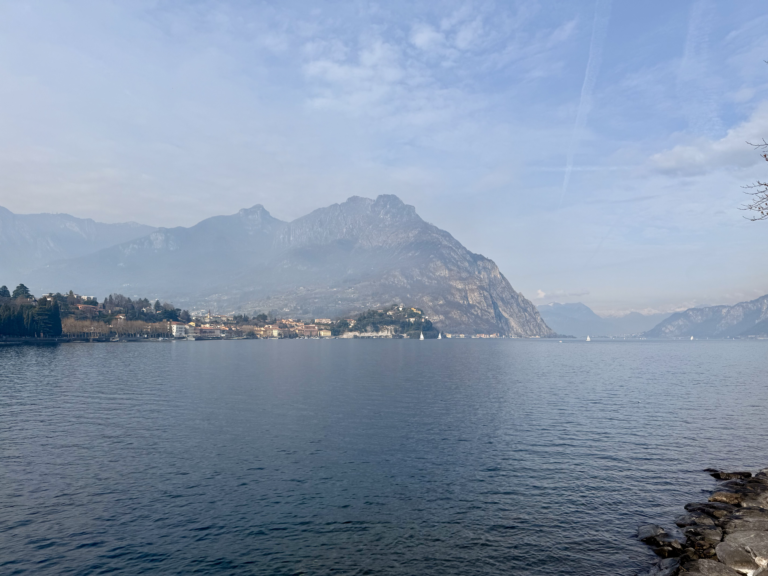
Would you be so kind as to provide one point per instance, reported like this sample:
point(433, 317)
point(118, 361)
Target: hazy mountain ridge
point(577, 319)
point(28, 241)
point(341, 259)
point(742, 319)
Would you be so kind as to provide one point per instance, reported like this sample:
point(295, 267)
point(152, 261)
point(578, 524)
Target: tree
point(47, 321)
point(759, 202)
point(158, 306)
point(21, 291)
point(4, 292)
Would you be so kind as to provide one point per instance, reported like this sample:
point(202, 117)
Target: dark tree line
point(28, 320)
point(143, 310)
point(21, 315)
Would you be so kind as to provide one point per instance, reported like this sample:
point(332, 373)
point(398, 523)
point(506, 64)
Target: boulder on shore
point(707, 568)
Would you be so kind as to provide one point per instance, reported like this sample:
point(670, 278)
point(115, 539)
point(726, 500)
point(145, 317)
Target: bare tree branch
point(758, 203)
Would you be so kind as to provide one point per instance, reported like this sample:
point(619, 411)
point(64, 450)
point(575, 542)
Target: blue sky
point(594, 150)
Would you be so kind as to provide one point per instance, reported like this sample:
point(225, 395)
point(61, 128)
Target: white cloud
point(541, 295)
point(426, 38)
point(704, 155)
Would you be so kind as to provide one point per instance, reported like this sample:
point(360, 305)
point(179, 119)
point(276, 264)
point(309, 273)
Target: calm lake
point(400, 457)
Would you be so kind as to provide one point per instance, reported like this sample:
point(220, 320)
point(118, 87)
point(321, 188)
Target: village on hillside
point(119, 318)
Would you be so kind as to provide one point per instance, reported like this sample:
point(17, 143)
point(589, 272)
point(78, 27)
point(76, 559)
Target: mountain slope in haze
point(28, 241)
point(342, 259)
point(742, 319)
point(577, 319)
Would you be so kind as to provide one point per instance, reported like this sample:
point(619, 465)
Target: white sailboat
point(439, 336)
point(589, 339)
point(421, 335)
point(691, 337)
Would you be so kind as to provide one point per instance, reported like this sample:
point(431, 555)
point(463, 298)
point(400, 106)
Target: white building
point(178, 329)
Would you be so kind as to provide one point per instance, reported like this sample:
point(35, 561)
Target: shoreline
point(725, 536)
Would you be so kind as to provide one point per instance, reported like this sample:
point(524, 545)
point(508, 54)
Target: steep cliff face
point(743, 319)
point(337, 260)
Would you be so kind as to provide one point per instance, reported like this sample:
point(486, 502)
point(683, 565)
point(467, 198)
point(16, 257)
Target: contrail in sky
point(599, 30)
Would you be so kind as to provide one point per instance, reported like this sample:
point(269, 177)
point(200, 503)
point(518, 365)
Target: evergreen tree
point(41, 321)
point(21, 291)
point(4, 292)
point(55, 320)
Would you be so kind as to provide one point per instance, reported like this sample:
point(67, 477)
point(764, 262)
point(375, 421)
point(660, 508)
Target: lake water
point(468, 457)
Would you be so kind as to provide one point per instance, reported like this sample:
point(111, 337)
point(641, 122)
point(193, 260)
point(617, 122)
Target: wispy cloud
point(696, 83)
point(704, 155)
point(599, 30)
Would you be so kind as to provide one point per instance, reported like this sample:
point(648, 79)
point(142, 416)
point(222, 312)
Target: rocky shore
point(725, 536)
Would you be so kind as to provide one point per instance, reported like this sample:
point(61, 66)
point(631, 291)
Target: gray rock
point(744, 551)
point(708, 568)
point(744, 487)
point(731, 498)
point(745, 525)
point(755, 500)
point(746, 520)
point(666, 567)
point(706, 535)
point(720, 475)
point(648, 532)
point(713, 509)
point(761, 477)
point(736, 557)
point(694, 519)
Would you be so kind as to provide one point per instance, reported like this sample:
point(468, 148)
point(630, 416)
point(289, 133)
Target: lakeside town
point(117, 318)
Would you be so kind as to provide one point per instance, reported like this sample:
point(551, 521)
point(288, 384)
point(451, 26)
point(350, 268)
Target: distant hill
point(29, 241)
point(350, 257)
point(577, 319)
point(743, 319)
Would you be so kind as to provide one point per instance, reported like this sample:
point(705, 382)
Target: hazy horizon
point(595, 151)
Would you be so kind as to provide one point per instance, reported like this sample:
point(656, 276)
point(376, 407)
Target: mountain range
point(29, 241)
point(342, 259)
point(577, 319)
point(740, 320)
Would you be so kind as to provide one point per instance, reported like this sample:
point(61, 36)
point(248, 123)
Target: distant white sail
point(589, 339)
point(439, 336)
point(691, 337)
point(421, 335)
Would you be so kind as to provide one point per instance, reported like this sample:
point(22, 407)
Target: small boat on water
point(691, 337)
point(589, 339)
point(439, 336)
point(421, 335)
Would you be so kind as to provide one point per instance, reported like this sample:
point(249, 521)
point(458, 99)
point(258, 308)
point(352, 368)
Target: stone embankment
point(726, 536)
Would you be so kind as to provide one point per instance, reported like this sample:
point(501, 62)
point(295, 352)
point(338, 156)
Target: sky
point(595, 150)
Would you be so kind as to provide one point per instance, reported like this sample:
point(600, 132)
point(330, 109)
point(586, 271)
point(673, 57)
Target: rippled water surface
point(364, 457)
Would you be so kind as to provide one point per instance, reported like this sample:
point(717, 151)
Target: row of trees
point(21, 315)
point(143, 310)
point(20, 291)
point(136, 329)
point(21, 320)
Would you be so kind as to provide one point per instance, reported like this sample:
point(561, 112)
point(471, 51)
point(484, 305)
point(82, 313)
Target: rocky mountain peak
point(345, 258)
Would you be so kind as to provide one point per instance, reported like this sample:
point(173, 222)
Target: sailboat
point(589, 339)
point(439, 336)
point(691, 337)
point(421, 335)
